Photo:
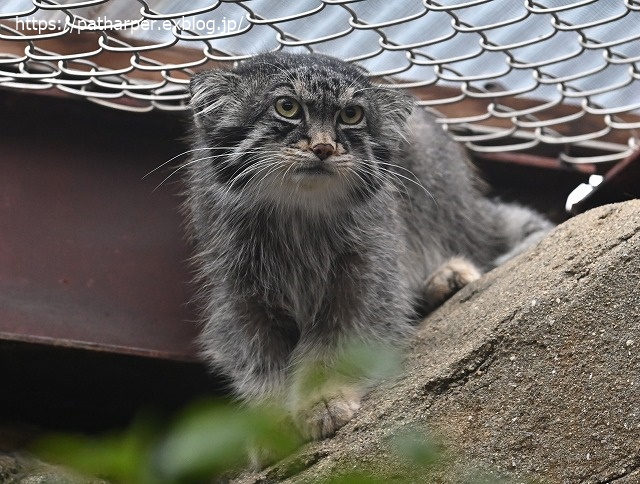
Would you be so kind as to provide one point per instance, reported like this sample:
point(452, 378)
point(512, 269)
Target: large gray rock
point(532, 372)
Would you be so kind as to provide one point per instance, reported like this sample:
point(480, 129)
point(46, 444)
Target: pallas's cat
point(324, 210)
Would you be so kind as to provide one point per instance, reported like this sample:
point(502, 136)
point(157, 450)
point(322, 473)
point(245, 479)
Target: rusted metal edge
point(96, 347)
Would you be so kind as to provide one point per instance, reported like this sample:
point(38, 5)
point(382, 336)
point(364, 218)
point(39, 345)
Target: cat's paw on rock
point(327, 414)
point(448, 279)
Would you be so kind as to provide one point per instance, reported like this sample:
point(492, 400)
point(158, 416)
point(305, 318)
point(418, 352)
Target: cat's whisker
point(286, 172)
point(414, 180)
point(349, 181)
point(184, 165)
point(204, 158)
point(236, 176)
point(383, 174)
point(271, 171)
point(404, 192)
point(402, 189)
point(260, 165)
point(400, 180)
point(187, 152)
point(399, 167)
point(196, 160)
point(263, 169)
point(173, 158)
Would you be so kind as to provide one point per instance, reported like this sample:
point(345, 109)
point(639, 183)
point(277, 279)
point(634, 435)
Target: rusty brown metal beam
point(90, 255)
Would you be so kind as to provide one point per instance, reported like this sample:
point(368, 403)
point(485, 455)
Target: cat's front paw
point(448, 279)
point(326, 414)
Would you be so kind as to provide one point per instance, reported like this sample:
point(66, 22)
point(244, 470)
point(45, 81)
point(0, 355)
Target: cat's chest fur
point(288, 262)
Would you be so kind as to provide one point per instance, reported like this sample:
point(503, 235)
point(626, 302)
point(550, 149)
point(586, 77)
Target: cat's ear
point(210, 90)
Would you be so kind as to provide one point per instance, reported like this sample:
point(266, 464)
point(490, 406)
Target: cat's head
point(298, 130)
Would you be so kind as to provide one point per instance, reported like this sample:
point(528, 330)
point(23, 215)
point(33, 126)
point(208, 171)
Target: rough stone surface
point(532, 372)
point(20, 468)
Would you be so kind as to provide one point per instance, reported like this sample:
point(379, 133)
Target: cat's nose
point(323, 150)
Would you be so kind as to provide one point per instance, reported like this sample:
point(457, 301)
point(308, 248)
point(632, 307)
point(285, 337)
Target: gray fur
point(293, 266)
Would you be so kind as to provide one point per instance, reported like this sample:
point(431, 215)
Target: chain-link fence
point(558, 75)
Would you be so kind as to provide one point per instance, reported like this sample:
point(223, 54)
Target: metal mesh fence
point(560, 75)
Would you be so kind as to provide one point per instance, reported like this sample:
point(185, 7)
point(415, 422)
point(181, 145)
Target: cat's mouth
point(313, 169)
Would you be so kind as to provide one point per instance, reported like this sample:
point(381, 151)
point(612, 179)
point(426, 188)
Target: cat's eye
point(351, 114)
point(288, 107)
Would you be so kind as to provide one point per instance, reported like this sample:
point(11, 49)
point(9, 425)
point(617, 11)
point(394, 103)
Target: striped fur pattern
point(325, 209)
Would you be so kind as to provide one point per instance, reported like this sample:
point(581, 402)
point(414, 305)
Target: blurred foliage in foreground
point(210, 440)
point(206, 440)
point(213, 439)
